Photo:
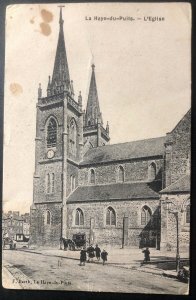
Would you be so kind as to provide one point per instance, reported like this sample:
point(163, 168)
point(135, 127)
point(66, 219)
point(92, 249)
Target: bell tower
point(58, 150)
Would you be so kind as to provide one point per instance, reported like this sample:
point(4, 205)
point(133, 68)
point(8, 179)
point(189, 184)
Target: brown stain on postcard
point(47, 16)
point(16, 89)
point(32, 21)
point(45, 29)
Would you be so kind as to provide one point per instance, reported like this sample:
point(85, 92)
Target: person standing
point(146, 255)
point(97, 252)
point(91, 254)
point(104, 255)
point(82, 257)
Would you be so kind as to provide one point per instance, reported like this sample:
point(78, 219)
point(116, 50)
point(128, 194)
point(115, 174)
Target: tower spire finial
point(60, 16)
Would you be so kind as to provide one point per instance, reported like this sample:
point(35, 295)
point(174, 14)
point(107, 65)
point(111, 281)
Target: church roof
point(124, 151)
point(181, 185)
point(117, 191)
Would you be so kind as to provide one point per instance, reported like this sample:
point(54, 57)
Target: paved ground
point(41, 271)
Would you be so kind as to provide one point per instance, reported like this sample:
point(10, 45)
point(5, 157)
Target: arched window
point(152, 171)
point(145, 215)
point(121, 174)
point(50, 182)
point(79, 217)
point(72, 182)
point(188, 213)
point(92, 176)
point(51, 133)
point(72, 137)
point(110, 216)
point(48, 217)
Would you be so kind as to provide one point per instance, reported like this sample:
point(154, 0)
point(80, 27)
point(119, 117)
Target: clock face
point(50, 153)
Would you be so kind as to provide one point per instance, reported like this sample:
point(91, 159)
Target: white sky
point(142, 72)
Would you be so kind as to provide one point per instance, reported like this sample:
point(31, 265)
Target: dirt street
point(53, 273)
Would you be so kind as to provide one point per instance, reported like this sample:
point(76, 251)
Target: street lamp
point(175, 212)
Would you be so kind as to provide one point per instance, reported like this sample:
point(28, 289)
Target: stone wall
point(134, 171)
point(169, 222)
point(40, 188)
point(42, 234)
point(95, 213)
point(178, 149)
point(71, 170)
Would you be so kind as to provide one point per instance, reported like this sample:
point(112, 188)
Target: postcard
point(97, 147)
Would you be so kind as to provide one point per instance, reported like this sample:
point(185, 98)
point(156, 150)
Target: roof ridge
point(113, 183)
point(147, 139)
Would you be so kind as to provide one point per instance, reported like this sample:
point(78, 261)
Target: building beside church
point(114, 193)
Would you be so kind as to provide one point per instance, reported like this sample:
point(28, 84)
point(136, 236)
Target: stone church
point(116, 194)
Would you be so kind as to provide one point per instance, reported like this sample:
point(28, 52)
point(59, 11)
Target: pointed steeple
point(60, 78)
point(93, 113)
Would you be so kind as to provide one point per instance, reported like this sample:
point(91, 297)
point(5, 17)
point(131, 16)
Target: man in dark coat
point(82, 257)
point(104, 255)
point(146, 255)
point(91, 253)
point(97, 252)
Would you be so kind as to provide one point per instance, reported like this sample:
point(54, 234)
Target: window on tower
point(121, 174)
point(72, 137)
point(50, 183)
point(152, 171)
point(72, 182)
point(48, 217)
point(51, 133)
point(92, 176)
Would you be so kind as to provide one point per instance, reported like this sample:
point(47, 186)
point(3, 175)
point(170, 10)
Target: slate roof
point(181, 185)
point(130, 150)
point(117, 191)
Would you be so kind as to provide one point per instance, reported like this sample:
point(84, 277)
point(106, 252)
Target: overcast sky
point(142, 72)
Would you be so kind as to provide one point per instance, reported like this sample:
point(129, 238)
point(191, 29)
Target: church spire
point(60, 78)
point(93, 114)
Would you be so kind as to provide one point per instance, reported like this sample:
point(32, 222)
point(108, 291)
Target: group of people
point(92, 252)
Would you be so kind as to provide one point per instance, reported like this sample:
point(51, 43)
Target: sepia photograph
point(97, 147)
